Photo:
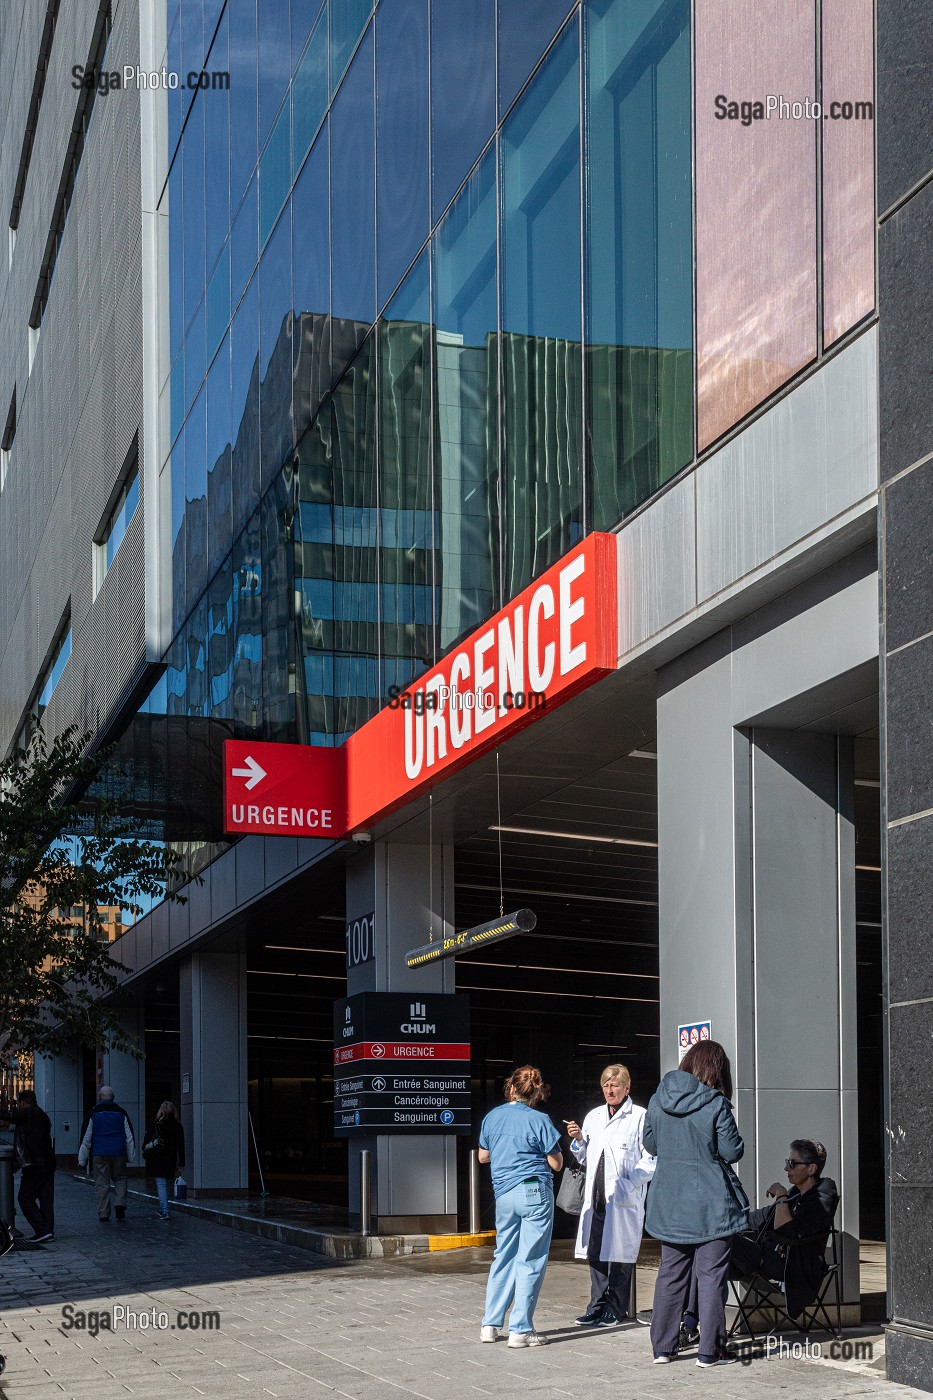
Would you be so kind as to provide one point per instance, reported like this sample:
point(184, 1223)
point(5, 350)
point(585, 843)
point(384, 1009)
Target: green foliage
point(62, 868)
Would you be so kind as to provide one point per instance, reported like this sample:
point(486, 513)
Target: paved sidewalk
point(292, 1324)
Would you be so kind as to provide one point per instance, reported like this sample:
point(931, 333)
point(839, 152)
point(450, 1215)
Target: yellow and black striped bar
point(506, 926)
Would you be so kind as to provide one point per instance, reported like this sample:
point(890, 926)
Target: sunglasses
point(790, 1163)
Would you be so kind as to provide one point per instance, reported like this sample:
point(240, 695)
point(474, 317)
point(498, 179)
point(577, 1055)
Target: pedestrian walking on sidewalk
point(32, 1142)
point(108, 1142)
point(164, 1152)
point(696, 1202)
point(521, 1146)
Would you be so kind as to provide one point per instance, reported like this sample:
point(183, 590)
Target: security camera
point(362, 838)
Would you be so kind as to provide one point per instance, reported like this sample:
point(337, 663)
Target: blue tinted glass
point(212, 9)
point(541, 294)
point(195, 363)
point(244, 413)
point(353, 194)
point(639, 255)
point(177, 469)
point(463, 61)
point(174, 95)
point(192, 42)
point(346, 21)
point(132, 501)
point(244, 102)
point(195, 502)
point(176, 260)
point(304, 13)
point(465, 317)
point(309, 93)
point(311, 285)
point(219, 459)
point(541, 202)
point(526, 27)
point(244, 243)
point(401, 136)
point(177, 395)
point(192, 151)
point(275, 173)
point(275, 61)
point(217, 150)
point(275, 349)
point(58, 665)
point(218, 301)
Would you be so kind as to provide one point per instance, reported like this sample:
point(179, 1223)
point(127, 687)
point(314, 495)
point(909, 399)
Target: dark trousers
point(710, 1261)
point(610, 1282)
point(37, 1198)
point(753, 1256)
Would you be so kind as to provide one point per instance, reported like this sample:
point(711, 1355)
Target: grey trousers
point(710, 1260)
point(107, 1170)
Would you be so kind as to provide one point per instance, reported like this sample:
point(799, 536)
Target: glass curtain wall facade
point(432, 273)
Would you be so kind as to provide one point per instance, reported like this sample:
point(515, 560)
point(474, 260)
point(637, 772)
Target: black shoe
point(42, 1239)
point(610, 1318)
point(725, 1356)
point(121, 1212)
point(644, 1318)
point(689, 1336)
point(591, 1318)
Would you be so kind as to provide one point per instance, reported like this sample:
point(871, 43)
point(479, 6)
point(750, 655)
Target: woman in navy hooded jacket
point(696, 1202)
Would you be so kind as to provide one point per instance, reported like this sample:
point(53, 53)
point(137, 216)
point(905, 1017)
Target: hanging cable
point(499, 806)
point(431, 867)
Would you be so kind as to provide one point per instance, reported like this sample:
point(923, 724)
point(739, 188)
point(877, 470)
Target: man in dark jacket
point(108, 1141)
point(790, 1236)
point(33, 1143)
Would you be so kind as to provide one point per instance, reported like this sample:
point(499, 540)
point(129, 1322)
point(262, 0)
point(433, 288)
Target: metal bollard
point(7, 1209)
point(365, 1193)
point(633, 1300)
point(475, 1224)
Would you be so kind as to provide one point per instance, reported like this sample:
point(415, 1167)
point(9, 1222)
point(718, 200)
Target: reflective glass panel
point(275, 61)
point(195, 502)
point(401, 136)
point(217, 149)
point(247, 627)
point(311, 285)
point(275, 347)
point(352, 210)
point(353, 442)
point(176, 260)
point(309, 93)
point(848, 165)
point(639, 270)
point(218, 301)
point(177, 469)
point(194, 356)
point(755, 207)
point(346, 20)
point(192, 152)
point(406, 494)
point(244, 95)
point(219, 458)
point(541, 315)
point(244, 366)
point(526, 27)
point(467, 432)
point(463, 60)
point(304, 15)
point(244, 243)
point(275, 173)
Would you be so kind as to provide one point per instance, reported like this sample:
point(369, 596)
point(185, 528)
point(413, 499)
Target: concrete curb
point(331, 1244)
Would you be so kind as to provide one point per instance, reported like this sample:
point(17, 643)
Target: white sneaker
point(489, 1334)
point(527, 1339)
point(662, 1359)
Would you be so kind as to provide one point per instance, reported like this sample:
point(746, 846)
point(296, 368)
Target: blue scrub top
point(518, 1139)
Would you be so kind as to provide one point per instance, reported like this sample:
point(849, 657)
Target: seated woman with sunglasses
point(788, 1239)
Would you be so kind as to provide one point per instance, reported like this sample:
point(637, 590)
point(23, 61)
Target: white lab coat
point(629, 1168)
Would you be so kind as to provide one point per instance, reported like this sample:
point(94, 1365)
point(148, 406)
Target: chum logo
point(418, 1025)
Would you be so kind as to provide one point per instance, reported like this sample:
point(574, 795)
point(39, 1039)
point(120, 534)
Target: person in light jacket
point(697, 1202)
point(618, 1170)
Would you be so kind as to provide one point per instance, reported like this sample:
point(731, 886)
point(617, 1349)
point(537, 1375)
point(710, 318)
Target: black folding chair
point(765, 1299)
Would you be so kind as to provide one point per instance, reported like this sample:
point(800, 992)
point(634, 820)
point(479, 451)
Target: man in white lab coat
point(618, 1170)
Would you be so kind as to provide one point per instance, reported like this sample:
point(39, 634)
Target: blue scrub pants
point(524, 1222)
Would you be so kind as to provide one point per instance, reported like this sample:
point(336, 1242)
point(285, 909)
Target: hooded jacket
point(695, 1195)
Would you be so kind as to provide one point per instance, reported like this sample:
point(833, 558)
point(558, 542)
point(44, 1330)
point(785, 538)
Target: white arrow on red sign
point(253, 771)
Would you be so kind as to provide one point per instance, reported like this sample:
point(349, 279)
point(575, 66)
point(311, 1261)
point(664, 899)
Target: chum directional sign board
point(554, 639)
point(402, 1063)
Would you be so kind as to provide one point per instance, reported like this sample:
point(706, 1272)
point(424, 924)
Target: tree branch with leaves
point(65, 866)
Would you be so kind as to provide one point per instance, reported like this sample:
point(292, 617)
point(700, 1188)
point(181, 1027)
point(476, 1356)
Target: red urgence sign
point(556, 638)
